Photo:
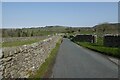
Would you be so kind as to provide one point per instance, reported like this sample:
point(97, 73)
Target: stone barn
point(85, 38)
point(112, 40)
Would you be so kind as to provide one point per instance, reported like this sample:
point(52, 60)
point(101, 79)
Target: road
point(74, 61)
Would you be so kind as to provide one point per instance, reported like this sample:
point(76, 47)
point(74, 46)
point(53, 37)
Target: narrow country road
point(74, 61)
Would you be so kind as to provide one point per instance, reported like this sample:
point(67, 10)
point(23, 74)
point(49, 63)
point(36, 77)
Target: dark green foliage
point(25, 32)
point(65, 36)
point(78, 30)
point(28, 32)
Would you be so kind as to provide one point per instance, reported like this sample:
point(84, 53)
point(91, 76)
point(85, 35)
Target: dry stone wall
point(85, 38)
point(112, 40)
point(20, 62)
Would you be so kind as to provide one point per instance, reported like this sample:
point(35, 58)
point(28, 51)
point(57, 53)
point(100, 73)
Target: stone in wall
point(21, 61)
point(85, 38)
point(112, 40)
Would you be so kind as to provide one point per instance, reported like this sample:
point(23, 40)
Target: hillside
point(100, 29)
point(28, 32)
point(107, 28)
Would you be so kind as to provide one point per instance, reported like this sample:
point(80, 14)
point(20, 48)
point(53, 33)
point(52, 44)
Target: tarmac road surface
point(74, 61)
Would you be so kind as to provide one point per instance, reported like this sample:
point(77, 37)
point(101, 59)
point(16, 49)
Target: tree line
point(24, 32)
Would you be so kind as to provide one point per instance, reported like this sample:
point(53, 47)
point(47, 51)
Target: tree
point(19, 32)
point(72, 31)
point(32, 33)
point(78, 30)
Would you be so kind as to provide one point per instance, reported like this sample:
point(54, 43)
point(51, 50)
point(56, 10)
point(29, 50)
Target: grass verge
point(114, 52)
point(45, 69)
point(0, 45)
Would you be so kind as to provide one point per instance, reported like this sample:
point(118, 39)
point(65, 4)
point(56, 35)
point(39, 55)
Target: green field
point(19, 43)
point(0, 45)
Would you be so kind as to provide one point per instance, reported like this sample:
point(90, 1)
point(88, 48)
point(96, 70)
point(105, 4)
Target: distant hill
point(55, 28)
point(107, 28)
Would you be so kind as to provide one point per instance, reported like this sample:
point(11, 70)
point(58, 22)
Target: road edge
point(112, 59)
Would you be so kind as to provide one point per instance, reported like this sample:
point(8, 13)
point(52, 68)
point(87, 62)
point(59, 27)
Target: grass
point(114, 52)
point(19, 43)
point(45, 67)
point(99, 40)
point(0, 44)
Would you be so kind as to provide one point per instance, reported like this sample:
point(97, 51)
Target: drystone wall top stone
point(1, 55)
point(18, 61)
point(9, 51)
